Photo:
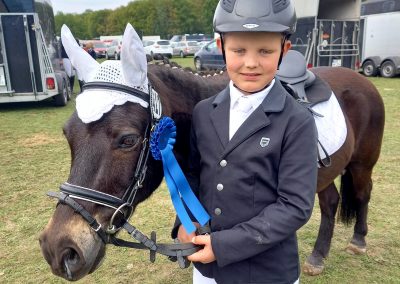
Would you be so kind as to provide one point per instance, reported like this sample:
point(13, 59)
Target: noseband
point(69, 193)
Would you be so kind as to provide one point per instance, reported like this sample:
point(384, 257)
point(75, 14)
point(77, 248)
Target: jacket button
point(217, 211)
point(220, 187)
point(223, 163)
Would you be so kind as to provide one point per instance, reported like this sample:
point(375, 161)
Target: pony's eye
point(128, 141)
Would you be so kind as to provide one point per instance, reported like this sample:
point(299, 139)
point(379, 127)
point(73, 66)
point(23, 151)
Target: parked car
point(158, 48)
point(100, 48)
point(114, 50)
point(185, 48)
point(209, 57)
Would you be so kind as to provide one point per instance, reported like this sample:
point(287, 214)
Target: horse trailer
point(30, 63)
point(380, 38)
point(327, 32)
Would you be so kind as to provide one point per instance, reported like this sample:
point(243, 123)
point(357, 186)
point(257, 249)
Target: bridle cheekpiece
point(69, 193)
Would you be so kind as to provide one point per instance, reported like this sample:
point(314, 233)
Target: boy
point(253, 159)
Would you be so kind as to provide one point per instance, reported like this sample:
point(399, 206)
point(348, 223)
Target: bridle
point(69, 193)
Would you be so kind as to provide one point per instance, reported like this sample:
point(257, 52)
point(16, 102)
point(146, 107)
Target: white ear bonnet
point(130, 71)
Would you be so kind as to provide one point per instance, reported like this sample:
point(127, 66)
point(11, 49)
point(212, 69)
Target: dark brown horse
point(99, 161)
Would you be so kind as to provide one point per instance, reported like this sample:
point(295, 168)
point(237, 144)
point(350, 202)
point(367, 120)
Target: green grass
point(184, 62)
point(34, 158)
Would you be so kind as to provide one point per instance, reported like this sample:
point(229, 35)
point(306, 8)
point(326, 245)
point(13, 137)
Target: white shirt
point(242, 106)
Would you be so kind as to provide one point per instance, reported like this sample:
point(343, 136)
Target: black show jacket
point(259, 187)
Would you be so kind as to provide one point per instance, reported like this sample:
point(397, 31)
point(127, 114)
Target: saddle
point(306, 87)
point(301, 83)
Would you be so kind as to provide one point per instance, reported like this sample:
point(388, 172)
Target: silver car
point(185, 48)
point(114, 50)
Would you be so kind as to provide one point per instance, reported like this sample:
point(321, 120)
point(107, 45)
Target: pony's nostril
point(70, 261)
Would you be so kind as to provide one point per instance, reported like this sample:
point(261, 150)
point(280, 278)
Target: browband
point(118, 88)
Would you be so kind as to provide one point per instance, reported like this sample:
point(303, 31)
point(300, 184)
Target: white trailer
point(380, 38)
point(327, 32)
point(30, 63)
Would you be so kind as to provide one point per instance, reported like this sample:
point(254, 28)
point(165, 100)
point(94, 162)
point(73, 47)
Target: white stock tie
point(239, 114)
point(244, 104)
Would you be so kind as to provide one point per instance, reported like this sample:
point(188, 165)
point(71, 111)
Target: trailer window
point(379, 7)
point(17, 6)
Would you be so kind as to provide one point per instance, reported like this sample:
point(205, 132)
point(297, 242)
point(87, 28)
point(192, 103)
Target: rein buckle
point(97, 229)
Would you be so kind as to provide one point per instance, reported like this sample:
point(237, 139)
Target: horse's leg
point(362, 183)
point(328, 202)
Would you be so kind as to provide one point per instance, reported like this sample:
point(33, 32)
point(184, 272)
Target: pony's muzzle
point(65, 261)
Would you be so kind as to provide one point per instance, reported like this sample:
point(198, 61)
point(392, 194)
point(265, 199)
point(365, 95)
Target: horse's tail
point(348, 205)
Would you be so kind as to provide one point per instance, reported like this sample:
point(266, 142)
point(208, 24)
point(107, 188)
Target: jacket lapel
point(220, 116)
point(274, 102)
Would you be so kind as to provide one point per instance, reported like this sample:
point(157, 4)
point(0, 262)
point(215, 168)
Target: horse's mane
point(174, 65)
point(185, 84)
point(180, 89)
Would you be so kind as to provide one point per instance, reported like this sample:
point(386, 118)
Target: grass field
point(34, 158)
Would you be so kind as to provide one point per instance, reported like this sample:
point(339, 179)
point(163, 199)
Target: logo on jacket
point(264, 142)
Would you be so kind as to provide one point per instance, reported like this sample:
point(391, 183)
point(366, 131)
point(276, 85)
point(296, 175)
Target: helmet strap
point(222, 47)
point(285, 37)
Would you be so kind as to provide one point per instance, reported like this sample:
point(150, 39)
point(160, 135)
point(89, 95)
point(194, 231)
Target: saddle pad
point(332, 129)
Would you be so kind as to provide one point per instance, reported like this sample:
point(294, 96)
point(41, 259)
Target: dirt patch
point(38, 139)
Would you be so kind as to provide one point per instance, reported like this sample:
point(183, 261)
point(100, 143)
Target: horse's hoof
point(355, 250)
point(312, 270)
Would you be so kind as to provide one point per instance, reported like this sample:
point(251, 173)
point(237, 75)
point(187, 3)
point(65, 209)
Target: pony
point(106, 152)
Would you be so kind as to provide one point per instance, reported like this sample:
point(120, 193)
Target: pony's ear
point(133, 58)
point(80, 59)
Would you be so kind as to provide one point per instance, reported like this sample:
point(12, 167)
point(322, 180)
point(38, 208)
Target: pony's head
point(107, 136)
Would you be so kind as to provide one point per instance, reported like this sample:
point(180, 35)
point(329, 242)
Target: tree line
point(149, 17)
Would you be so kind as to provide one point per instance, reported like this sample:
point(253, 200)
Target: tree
point(150, 17)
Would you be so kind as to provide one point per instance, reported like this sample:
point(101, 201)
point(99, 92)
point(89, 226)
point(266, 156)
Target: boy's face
point(252, 58)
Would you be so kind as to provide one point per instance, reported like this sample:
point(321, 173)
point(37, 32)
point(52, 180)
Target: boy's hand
point(205, 255)
point(183, 236)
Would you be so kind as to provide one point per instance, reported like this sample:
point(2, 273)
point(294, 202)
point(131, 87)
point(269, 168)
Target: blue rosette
point(162, 142)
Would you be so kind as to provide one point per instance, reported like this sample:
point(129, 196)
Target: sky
point(79, 6)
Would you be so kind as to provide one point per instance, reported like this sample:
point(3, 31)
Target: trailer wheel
point(388, 69)
point(369, 69)
point(62, 98)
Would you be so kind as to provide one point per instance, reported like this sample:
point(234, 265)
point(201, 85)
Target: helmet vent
point(228, 5)
point(279, 5)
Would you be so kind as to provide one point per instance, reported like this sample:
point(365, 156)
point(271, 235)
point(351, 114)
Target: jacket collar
point(274, 102)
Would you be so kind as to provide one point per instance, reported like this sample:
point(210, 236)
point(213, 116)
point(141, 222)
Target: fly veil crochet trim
point(130, 71)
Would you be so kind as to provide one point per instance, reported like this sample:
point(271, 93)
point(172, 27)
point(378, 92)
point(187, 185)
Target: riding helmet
point(255, 16)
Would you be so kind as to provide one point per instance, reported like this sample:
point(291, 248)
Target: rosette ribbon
point(162, 142)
